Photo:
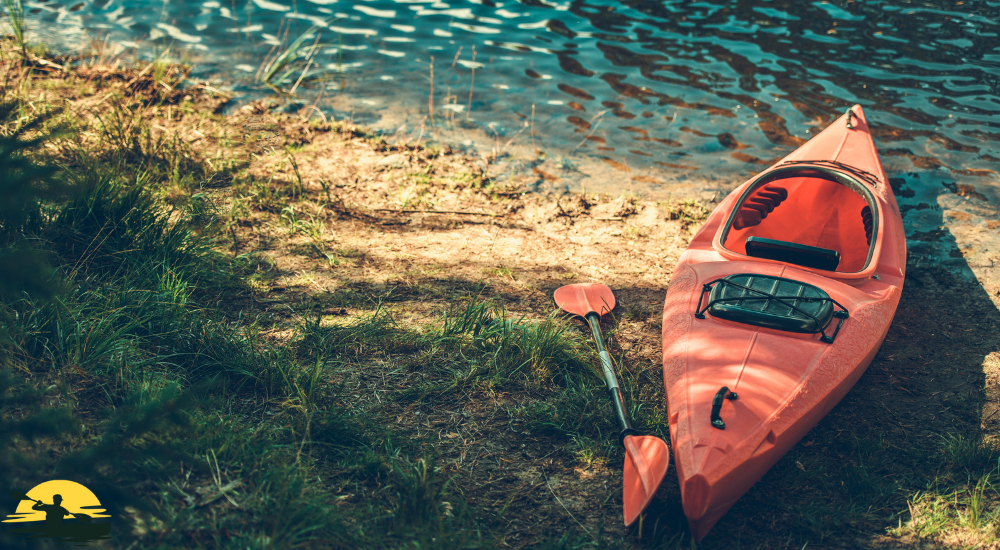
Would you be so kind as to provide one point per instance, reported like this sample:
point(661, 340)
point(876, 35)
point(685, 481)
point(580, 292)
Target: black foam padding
point(759, 306)
point(793, 253)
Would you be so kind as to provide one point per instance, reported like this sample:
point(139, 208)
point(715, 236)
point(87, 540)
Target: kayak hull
point(786, 382)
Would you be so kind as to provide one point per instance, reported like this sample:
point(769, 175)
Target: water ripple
point(667, 88)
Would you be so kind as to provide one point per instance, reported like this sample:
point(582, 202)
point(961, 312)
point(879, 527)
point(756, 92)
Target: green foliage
point(541, 351)
point(126, 447)
point(24, 184)
point(375, 332)
point(973, 455)
point(114, 224)
point(15, 18)
point(424, 513)
point(131, 149)
point(962, 501)
point(580, 408)
point(296, 58)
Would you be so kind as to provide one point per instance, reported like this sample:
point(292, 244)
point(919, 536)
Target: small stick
point(473, 83)
point(282, 45)
point(559, 500)
point(496, 148)
point(248, 29)
point(629, 172)
point(266, 57)
point(430, 100)
point(445, 105)
point(434, 212)
point(340, 59)
point(533, 146)
point(41, 61)
point(458, 53)
point(421, 133)
point(236, 24)
point(593, 129)
point(314, 108)
point(511, 140)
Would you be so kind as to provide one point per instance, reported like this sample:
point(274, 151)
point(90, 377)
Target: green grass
point(961, 504)
point(279, 71)
point(15, 19)
point(206, 431)
point(130, 144)
point(477, 347)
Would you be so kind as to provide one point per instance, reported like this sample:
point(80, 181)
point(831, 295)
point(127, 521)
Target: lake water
point(656, 97)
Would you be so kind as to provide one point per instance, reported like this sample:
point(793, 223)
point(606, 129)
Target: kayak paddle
point(21, 496)
point(647, 457)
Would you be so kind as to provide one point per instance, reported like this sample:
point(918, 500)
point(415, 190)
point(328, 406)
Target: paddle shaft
point(617, 401)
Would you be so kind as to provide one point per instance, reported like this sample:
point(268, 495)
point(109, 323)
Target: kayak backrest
point(793, 253)
point(811, 206)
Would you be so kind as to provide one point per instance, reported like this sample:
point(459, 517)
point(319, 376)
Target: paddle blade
point(646, 462)
point(19, 496)
point(583, 298)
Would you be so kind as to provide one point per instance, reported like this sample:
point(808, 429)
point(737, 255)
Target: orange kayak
point(775, 310)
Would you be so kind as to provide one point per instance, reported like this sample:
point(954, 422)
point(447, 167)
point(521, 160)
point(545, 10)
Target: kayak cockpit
point(806, 215)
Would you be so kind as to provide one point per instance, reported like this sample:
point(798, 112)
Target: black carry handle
point(617, 401)
point(720, 396)
point(850, 113)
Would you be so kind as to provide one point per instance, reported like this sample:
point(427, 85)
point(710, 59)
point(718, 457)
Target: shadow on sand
point(850, 480)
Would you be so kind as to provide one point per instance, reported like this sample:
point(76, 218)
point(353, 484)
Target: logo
point(59, 510)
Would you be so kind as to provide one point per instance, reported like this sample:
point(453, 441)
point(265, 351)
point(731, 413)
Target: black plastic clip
point(840, 314)
point(717, 406)
point(700, 313)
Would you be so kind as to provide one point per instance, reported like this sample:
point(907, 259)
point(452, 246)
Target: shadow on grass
point(908, 457)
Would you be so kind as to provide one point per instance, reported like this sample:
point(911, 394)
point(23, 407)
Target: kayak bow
point(775, 310)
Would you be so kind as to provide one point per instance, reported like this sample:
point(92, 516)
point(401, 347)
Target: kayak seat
point(759, 205)
point(771, 302)
point(793, 253)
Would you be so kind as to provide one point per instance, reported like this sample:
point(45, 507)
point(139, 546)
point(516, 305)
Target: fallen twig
point(559, 500)
point(40, 61)
point(434, 212)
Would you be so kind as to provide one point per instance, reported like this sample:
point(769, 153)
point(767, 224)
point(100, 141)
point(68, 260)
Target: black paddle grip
point(621, 415)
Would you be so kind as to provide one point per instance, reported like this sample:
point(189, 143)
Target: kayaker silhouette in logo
point(54, 513)
point(63, 520)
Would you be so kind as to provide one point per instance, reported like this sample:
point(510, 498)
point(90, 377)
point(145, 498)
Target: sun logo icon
point(61, 510)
